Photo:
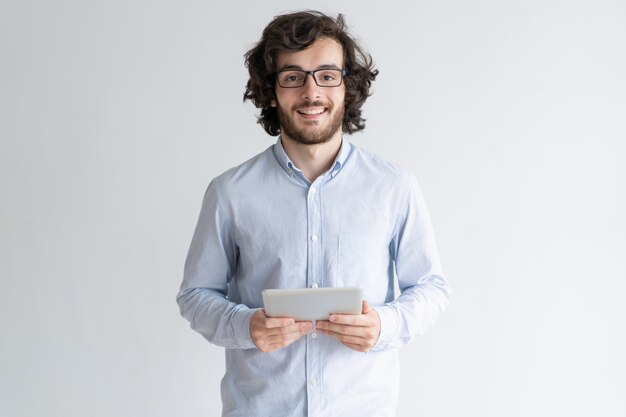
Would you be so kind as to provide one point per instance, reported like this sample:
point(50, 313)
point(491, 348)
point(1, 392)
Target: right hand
point(272, 333)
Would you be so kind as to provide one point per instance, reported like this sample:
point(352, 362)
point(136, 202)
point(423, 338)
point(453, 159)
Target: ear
point(273, 103)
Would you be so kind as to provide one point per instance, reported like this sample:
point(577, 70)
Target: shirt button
point(314, 238)
point(314, 335)
point(313, 381)
point(315, 285)
point(313, 190)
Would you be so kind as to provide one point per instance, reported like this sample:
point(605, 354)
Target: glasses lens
point(328, 78)
point(291, 78)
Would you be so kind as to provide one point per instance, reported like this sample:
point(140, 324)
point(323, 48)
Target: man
point(313, 210)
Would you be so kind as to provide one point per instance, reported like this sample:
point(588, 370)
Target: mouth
point(312, 113)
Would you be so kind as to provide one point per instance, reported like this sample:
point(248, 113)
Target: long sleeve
point(210, 265)
point(424, 291)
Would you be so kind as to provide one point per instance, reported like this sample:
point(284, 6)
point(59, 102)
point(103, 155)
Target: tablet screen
point(308, 304)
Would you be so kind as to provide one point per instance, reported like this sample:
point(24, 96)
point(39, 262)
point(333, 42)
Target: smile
point(312, 113)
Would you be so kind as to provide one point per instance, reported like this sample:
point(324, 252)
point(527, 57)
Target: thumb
point(366, 307)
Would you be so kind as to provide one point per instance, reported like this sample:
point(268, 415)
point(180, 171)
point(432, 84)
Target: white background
point(115, 115)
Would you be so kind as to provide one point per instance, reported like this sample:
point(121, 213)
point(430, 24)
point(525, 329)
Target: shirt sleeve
point(424, 291)
point(210, 265)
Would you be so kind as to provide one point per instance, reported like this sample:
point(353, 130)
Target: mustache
point(316, 103)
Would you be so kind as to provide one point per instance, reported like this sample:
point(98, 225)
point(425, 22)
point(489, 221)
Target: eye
point(291, 77)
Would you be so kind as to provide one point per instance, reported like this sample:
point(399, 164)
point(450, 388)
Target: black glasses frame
point(306, 74)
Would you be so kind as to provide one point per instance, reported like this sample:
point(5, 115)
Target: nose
point(310, 89)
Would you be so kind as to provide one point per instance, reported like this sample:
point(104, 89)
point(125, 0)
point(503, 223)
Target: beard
point(310, 136)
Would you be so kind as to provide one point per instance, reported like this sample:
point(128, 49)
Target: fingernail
point(331, 318)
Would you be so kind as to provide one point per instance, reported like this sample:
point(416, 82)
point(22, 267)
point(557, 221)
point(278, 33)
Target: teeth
point(316, 111)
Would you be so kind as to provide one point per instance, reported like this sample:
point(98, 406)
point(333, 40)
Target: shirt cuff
point(241, 328)
point(388, 326)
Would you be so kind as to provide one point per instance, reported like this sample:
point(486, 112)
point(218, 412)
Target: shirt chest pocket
point(363, 261)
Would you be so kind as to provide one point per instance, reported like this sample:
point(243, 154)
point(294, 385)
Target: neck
point(313, 160)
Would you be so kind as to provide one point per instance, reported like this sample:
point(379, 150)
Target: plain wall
point(114, 117)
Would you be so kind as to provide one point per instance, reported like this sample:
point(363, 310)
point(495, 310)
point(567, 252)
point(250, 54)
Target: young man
point(312, 211)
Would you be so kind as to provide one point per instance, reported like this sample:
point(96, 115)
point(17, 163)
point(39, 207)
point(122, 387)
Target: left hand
point(357, 331)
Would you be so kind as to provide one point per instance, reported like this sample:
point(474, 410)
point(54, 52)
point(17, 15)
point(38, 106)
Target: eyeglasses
point(322, 77)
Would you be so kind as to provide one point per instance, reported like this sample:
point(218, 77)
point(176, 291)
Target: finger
point(273, 322)
point(354, 333)
point(285, 337)
point(344, 318)
point(298, 327)
point(369, 334)
point(355, 343)
point(264, 346)
point(351, 319)
point(261, 333)
point(270, 322)
point(341, 328)
point(359, 348)
point(272, 343)
point(343, 338)
point(268, 344)
point(302, 326)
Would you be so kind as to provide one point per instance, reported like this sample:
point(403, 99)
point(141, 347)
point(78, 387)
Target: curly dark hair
point(295, 32)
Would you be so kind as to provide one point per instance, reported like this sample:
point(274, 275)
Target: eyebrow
point(298, 67)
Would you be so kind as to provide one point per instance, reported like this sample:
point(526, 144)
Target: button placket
point(315, 244)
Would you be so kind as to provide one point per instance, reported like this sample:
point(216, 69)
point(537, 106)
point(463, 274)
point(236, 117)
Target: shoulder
point(379, 169)
point(246, 173)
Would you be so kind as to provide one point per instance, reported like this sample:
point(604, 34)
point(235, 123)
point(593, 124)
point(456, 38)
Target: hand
point(356, 331)
point(269, 334)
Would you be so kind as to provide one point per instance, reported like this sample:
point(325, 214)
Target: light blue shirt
point(263, 225)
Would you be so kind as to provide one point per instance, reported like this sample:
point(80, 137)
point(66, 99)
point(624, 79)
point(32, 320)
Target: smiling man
point(313, 210)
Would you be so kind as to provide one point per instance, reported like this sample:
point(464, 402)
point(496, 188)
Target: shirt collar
point(291, 168)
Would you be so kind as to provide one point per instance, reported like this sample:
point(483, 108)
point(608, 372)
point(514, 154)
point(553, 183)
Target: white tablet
point(308, 304)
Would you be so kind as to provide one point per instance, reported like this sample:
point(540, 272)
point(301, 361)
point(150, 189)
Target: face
point(310, 114)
